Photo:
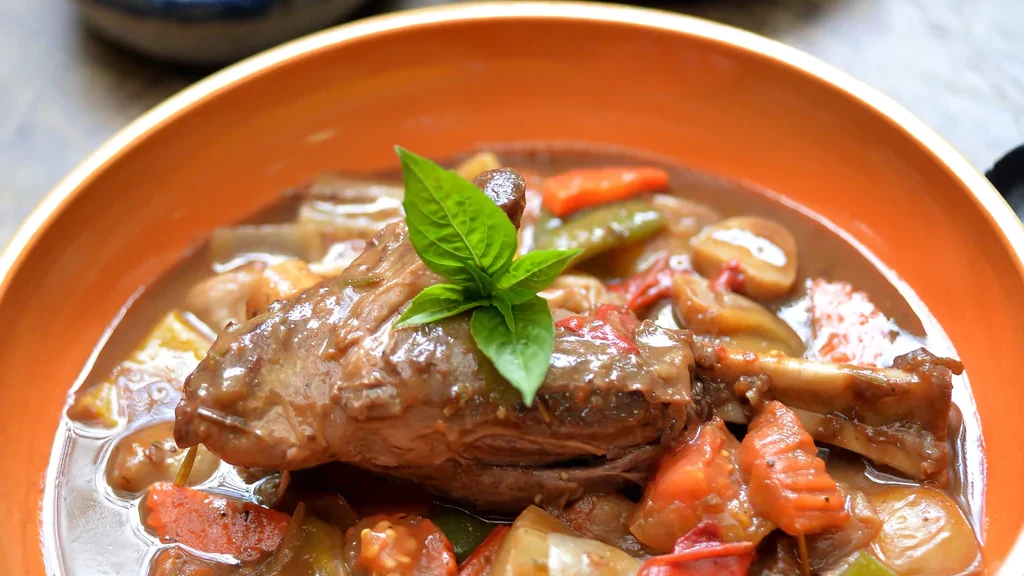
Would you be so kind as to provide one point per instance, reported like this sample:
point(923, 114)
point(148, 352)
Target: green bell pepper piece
point(599, 229)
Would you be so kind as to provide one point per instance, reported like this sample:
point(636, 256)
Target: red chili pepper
point(480, 561)
point(647, 287)
point(617, 315)
point(701, 552)
point(574, 324)
point(730, 277)
point(609, 324)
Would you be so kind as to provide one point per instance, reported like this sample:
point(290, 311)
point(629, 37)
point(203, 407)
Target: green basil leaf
point(535, 271)
point(522, 352)
point(514, 295)
point(455, 228)
point(435, 303)
point(505, 307)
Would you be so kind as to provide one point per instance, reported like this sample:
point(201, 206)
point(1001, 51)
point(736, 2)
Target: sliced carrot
point(480, 561)
point(588, 187)
point(847, 327)
point(698, 481)
point(212, 523)
point(788, 482)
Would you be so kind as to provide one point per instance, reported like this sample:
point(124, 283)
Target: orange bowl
point(442, 80)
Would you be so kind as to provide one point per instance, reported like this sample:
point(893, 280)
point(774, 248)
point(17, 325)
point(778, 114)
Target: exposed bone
point(895, 417)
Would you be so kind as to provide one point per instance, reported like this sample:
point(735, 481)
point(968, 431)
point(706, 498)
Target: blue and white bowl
point(209, 31)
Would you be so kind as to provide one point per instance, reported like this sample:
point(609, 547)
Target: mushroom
point(707, 311)
point(764, 252)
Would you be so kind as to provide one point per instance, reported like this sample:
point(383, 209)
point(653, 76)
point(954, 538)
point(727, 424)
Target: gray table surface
point(957, 64)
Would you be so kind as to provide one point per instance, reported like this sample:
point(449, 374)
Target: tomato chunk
point(399, 545)
point(697, 482)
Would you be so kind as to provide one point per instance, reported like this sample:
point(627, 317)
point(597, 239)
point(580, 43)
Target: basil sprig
point(460, 234)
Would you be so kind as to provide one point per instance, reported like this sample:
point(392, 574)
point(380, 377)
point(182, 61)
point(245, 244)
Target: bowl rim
point(985, 196)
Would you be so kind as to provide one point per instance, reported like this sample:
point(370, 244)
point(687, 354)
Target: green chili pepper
point(599, 229)
point(464, 530)
point(868, 565)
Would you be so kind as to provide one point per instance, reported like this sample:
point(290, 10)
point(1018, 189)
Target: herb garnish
point(462, 235)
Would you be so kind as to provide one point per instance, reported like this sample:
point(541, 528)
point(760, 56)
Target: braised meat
point(327, 377)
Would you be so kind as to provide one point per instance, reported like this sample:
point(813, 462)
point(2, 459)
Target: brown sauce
point(90, 529)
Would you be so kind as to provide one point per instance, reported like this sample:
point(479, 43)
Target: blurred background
point(64, 88)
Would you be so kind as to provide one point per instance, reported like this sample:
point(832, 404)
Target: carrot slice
point(848, 328)
point(480, 561)
point(213, 523)
point(788, 482)
point(588, 187)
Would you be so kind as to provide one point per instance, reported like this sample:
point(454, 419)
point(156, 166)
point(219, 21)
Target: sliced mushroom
point(763, 250)
point(746, 323)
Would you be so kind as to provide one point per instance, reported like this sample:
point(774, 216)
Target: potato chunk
point(280, 281)
point(148, 382)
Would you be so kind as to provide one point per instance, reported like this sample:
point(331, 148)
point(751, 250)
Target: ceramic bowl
point(443, 80)
point(208, 32)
